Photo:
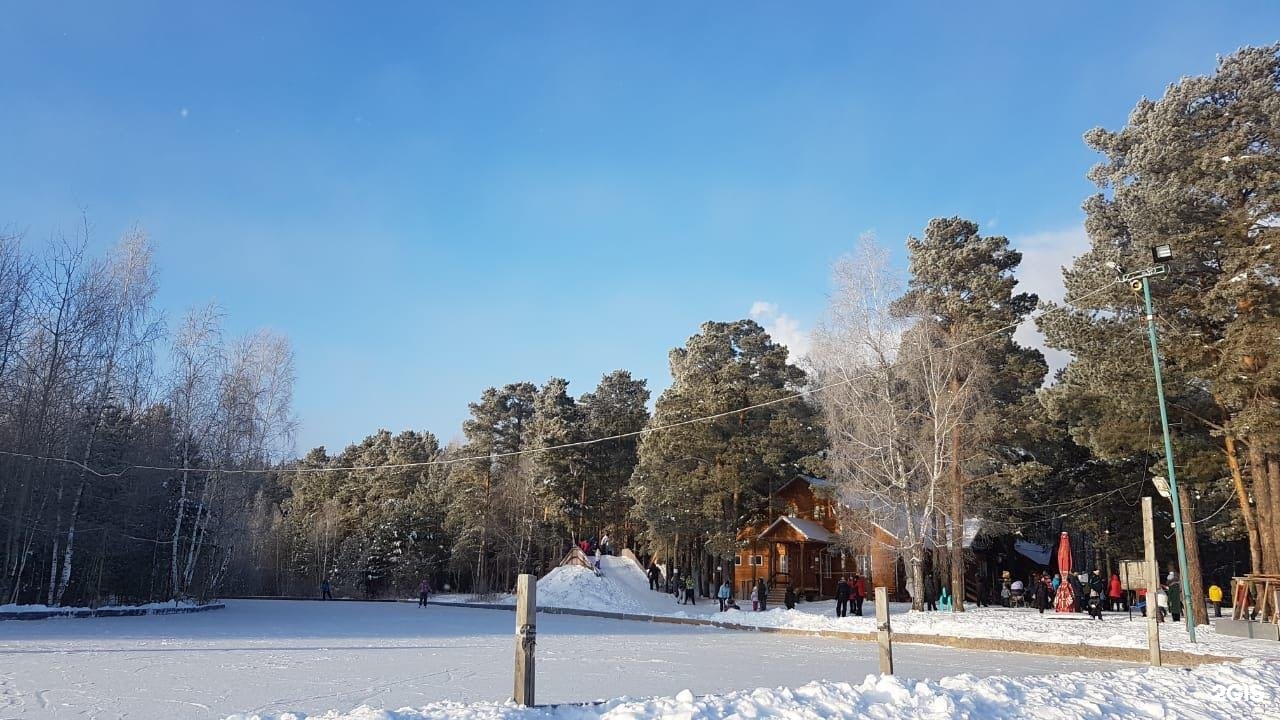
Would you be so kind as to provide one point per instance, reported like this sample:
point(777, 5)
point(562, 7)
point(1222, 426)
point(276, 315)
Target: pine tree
point(697, 484)
point(1198, 170)
point(617, 407)
point(964, 282)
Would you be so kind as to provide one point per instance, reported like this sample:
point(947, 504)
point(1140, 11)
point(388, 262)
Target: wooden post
point(883, 631)
point(1153, 581)
point(526, 637)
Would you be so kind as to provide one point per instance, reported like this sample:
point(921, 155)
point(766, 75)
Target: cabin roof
point(811, 531)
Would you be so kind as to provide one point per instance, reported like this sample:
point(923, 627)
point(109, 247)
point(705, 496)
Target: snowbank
point(11, 607)
point(47, 612)
point(1115, 630)
point(1247, 690)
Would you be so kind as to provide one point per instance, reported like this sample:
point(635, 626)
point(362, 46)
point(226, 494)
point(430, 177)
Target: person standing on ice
point(764, 594)
point(424, 592)
point(723, 595)
point(326, 591)
point(689, 598)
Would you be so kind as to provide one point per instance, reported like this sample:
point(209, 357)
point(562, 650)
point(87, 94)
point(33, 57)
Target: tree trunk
point(175, 589)
point(917, 580)
point(957, 513)
point(1273, 475)
point(67, 559)
point(1246, 510)
point(53, 556)
point(1195, 578)
point(1262, 500)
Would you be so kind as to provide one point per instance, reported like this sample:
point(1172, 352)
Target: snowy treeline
point(79, 381)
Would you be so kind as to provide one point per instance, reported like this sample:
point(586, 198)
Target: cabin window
point(757, 560)
point(792, 509)
point(737, 559)
point(819, 511)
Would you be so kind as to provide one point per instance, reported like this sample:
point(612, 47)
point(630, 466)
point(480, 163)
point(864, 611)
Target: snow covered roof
point(808, 529)
point(816, 483)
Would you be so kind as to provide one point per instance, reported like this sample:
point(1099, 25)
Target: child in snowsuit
point(1095, 604)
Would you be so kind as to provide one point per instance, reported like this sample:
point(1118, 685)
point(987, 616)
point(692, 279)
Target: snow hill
point(622, 586)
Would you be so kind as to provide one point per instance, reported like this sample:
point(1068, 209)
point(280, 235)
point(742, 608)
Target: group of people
point(425, 591)
point(594, 549)
point(850, 595)
point(684, 589)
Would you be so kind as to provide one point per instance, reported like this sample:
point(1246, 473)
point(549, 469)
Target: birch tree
point(892, 399)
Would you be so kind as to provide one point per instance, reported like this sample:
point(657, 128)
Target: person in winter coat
point(1215, 597)
point(655, 577)
point(424, 592)
point(723, 595)
point(1094, 605)
point(1077, 593)
point(859, 593)
point(1175, 600)
point(1115, 592)
point(789, 598)
point(1043, 592)
point(842, 598)
point(944, 600)
point(604, 544)
point(326, 591)
point(764, 594)
point(755, 598)
point(1097, 584)
point(1057, 582)
point(930, 593)
point(689, 598)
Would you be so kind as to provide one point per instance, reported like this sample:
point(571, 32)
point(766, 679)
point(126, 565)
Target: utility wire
point(530, 451)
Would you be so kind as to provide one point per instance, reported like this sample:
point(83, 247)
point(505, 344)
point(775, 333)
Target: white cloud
point(1044, 255)
point(782, 328)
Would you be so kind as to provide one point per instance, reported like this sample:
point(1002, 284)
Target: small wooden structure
point(1256, 597)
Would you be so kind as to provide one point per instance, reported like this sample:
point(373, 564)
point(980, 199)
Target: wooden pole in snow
point(884, 632)
point(1153, 581)
point(526, 637)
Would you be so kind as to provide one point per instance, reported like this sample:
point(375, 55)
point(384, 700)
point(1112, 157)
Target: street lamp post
point(1139, 280)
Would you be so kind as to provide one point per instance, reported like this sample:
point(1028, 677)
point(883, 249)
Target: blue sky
point(431, 198)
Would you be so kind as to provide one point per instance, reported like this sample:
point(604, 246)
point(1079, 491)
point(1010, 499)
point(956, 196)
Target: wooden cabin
point(803, 545)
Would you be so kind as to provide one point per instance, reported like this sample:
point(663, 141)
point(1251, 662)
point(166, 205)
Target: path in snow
point(272, 656)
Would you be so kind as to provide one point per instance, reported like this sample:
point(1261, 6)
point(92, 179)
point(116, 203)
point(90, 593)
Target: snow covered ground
point(623, 588)
point(1248, 691)
point(269, 657)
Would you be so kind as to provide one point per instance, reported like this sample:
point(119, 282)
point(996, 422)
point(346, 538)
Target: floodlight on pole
point(1138, 280)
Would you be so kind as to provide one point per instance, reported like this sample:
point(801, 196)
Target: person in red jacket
point(1115, 593)
point(859, 593)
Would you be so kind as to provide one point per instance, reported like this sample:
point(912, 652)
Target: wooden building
point(803, 545)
